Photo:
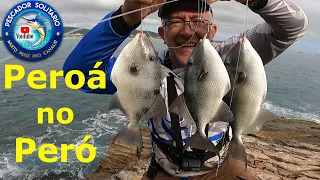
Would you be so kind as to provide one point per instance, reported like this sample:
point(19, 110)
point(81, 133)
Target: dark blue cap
point(171, 7)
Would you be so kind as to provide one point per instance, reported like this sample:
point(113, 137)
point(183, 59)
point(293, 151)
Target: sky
point(229, 17)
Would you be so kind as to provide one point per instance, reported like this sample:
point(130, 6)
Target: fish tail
point(237, 151)
point(201, 142)
point(130, 135)
point(40, 40)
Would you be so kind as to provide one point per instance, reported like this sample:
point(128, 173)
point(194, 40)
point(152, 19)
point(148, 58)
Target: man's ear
point(161, 33)
point(213, 31)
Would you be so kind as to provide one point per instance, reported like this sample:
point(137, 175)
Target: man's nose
point(187, 30)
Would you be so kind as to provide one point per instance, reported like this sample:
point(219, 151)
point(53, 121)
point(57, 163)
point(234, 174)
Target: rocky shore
point(284, 149)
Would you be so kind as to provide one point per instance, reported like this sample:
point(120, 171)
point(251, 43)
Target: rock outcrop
point(122, 161)
point(284, 149)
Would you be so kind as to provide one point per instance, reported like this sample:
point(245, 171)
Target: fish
point(39, 24)
point(138, 76)
point(206, 82)
point(248, 92)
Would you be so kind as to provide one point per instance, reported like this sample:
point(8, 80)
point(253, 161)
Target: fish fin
point(157, 121)
point(158, 109)
point(116, 104)
point(223, 114)
point(178, 106)
point(200, 142)
point(166, 71)
point(263, 116)
point(227, 97)
point(130, 136)
point(237, 150)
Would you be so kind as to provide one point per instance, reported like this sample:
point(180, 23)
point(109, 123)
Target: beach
point(284, 149)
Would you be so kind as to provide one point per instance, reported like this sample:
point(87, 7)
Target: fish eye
point(133, 68)
point(152, 58)
point(241, 76)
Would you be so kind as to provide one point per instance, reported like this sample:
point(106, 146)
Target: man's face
point(181, 38)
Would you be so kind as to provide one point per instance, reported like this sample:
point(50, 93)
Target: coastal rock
point(122, 161)
point(284, 149)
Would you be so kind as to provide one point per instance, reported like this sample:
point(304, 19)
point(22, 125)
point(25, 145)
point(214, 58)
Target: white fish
point(138, 76)
point(206, 82)
point(248, 78)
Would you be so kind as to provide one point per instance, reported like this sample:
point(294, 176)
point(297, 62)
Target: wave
point(101, 127)
point(290, 113)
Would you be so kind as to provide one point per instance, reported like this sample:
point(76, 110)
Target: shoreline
point(72, 38)
point(283, 149)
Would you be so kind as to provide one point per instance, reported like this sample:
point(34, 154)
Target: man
point(181, 27)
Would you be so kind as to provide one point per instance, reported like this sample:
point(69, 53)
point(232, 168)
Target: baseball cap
point(169, 8)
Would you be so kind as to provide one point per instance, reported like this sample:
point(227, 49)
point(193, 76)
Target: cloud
point(230, 17)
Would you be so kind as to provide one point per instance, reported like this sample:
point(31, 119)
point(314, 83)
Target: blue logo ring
point(32, 30)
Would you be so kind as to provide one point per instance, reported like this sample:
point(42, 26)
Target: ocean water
point(293, 92)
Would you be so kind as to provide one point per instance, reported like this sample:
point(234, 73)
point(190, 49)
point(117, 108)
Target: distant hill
point(84, 31)
point(75, 30)
point(67, 29)
point(148, 33)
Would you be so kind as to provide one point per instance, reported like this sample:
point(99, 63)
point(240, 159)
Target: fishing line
point(234, 81)
point(136, 10)
point(142, 24)
point(201, 11)
point(241, 44)
point(143, 8)
point(210, 20)
point(141, 19)
point(147, 31)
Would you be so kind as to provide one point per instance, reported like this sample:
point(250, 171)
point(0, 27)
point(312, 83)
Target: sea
point(293, 92)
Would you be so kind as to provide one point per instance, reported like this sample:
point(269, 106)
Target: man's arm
point(99, 45)
point(285, 24)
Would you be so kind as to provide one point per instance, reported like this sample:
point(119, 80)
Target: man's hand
point(130, 5)
point(134, 18)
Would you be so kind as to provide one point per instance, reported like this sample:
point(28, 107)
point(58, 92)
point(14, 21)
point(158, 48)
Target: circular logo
point(32, 30)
